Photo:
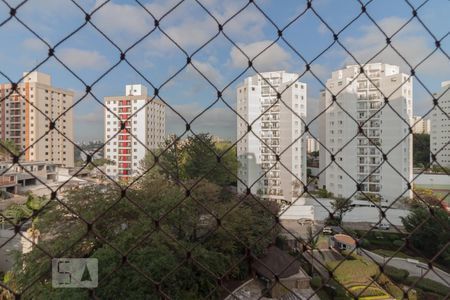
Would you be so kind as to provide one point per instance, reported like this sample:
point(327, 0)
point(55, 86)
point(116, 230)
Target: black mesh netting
point(179, 229)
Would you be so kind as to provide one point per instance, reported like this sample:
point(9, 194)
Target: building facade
point(312, 145)
point(144, 119)
point(26, 115)
point(420, 125)
point(356, 129)
point(272, 156)
point(440, 127)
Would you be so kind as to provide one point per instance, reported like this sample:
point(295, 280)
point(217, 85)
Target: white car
point(382, 226)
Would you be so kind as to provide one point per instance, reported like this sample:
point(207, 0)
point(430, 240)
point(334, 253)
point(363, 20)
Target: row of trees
point(160, 238)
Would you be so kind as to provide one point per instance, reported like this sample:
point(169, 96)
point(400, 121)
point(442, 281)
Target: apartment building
point(440, 127)
point(312, 145)
point(358, 155)
point(26, 116)
point(420, 125)
point(144, 120)
point(272, 156)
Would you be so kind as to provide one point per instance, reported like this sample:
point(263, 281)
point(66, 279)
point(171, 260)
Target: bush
point(395, 274)
point(364, 243)
point(390, 287)
point(316, 282)
point(398, 243)
point(412, 295)
point(428, 285)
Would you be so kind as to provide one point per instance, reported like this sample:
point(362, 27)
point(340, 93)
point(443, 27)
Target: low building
point(440, 127)
point(287, 268)
point(37, 177)
point(16, 178)
point(420, 125)
point(342, 242)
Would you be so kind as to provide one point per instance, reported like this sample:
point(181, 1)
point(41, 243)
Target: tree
point(6, 148)
point(171, 156)
point(425, 197)
point(158, 248)
point(313, 242)
point(421, 150)
point(429, 232)
point(197, 157)
point(341, 206)
point(98, 163)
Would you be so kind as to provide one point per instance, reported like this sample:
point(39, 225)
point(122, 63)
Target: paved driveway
point(414, 267)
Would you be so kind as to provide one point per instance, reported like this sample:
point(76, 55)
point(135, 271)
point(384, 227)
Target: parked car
point(381, 226)
point(332, 230)
point(327, 230)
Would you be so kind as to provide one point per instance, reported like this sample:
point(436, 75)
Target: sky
point(156, 60)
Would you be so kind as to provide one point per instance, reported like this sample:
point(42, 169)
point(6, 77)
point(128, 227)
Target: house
point(278, 263)
point(342, 242)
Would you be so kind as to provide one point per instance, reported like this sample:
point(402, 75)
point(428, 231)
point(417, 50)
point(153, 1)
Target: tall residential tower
point(272, 155)
point(27, 114)
point(144, 120)
point(440, 127)
point(356, 130)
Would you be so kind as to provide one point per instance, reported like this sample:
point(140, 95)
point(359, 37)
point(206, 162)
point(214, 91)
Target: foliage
point(421, 150)
point(323, 193)
point(364, 243)
point(197, 157)
point(341, 206)
point(390, 287)
point(17, 212)
point(316, 282)
point(6, 148)
point(35, 202)
point(398, 275)
point(425, 197)
point(98, 163)
point(428, 285)
point(424, 227)
point(184, 227)
point(440, 169)
point(375, 198)
point(398, 243)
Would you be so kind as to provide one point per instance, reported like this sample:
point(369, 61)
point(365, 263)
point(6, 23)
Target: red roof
point(345, 239)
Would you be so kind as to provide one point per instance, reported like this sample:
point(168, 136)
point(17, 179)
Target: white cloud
point(123, 23)
point(82, 59)
point(273, 58)
point(34, 44)
point(207, 70)
point(412, 42)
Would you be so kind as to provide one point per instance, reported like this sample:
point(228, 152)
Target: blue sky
point(89, 54)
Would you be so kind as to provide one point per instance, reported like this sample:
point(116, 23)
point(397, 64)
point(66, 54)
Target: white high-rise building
point(273, 154)
point(420, 125)
point(440, 127)
point(312, 145)
point(144, 120)
point(26, 115)
point(360, 158)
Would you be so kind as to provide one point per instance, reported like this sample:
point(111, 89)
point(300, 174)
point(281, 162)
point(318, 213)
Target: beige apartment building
point(26, 116)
